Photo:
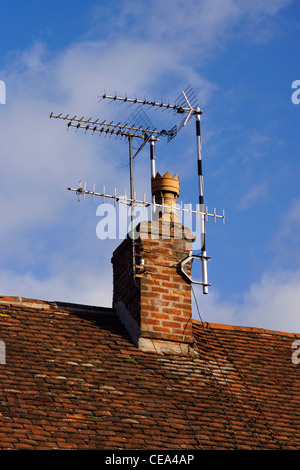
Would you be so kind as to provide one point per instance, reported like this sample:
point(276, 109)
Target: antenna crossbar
point(143, 203)
point(112, 128)
point(179, 108)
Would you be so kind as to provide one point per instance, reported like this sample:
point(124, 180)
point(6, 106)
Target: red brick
point(162, 293)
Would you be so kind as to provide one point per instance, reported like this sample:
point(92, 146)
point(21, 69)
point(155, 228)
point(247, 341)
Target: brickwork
point(160, 299)
point(124, 288)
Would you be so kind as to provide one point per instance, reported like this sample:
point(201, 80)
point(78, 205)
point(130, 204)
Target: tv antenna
point(186, 105)
point(140, 127)
point(160, 208)
point(141, 130)
point(140, 119)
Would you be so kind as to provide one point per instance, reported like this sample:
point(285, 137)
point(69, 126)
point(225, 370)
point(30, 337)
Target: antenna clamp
point(189, 277)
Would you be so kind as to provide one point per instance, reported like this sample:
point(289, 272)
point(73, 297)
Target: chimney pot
point(165, 184)
point(165, 190)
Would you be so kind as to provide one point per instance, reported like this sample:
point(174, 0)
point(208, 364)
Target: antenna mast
point(142, 131)
point(187, 105)
point(141, 128)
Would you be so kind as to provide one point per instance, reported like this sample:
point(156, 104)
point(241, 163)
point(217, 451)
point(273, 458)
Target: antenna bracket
point(189, 277)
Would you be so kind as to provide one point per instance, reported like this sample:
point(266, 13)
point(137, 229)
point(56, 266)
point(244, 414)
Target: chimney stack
point(155, 305)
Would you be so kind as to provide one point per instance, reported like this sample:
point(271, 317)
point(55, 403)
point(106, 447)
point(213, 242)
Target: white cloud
point(72, 284)
point(290, 225)
point(270, 303)
point(275, 300)
point(256, 193)
point(194, 27)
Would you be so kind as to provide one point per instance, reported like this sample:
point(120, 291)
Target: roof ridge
point(27, 302)
point(43, 304)
point(222, 326)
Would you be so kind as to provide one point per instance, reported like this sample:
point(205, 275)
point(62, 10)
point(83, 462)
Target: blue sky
point(240, 57)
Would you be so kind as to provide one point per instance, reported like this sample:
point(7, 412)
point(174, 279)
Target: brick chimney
point(155, 303)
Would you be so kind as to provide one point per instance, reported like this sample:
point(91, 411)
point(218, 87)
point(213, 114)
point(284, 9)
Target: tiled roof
point(74, 380)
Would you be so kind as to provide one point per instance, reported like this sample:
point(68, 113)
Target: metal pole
point(152, 160)
point(152, 157)
point(201, 203)
point(132, 207)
